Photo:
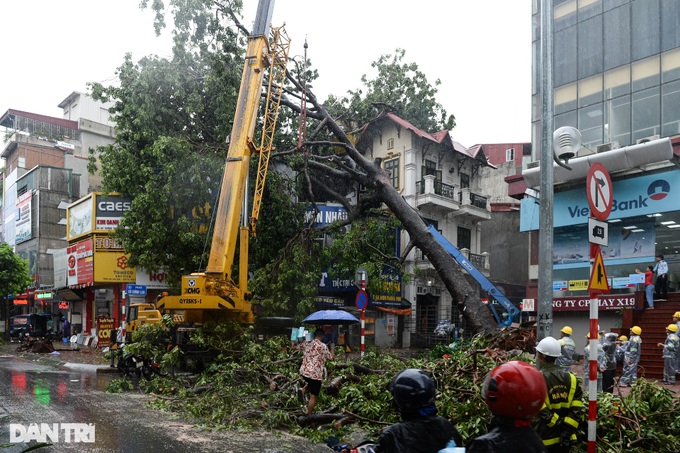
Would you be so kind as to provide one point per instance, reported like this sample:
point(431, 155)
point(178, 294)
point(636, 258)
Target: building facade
point(616, 73)
point(442, 179)
point(45, 169)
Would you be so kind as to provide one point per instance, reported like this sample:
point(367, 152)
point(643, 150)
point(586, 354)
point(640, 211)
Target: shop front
point(644, 223)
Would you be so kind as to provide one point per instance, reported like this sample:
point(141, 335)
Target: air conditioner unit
point(647, 139)
point(534, 164)
point(607, 147)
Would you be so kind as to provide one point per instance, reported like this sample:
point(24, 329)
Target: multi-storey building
point(443, 180)
point(46, 162)
point(616, 76)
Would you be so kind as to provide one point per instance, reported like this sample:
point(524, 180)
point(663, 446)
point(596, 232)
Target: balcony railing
point(475, 200)
point(440, 188)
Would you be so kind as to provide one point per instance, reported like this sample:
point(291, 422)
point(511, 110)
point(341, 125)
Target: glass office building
point(616, 76)
point(616, 69)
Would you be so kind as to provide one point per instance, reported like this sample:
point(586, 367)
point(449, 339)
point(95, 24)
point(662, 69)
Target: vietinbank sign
point(643, 195)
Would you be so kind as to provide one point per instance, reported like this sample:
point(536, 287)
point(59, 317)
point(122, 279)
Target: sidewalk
point(90, 358)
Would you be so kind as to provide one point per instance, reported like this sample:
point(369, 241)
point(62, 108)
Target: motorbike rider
point(559, 418)
point(568, 348)
point(515, 393)
point(422, 430)
point(631, 357)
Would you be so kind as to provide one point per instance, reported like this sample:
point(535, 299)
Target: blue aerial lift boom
point(513, 312)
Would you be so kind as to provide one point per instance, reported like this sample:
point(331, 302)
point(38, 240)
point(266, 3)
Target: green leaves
point(398, 86)
point(14, 274)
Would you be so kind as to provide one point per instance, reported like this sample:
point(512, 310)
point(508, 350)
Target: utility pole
point(545, 235)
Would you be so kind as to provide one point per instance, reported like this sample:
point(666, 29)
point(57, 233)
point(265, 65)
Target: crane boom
point(215, 290)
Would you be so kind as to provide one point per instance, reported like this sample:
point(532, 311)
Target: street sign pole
point(592, 364)
point(362, 303)
point(600, 196)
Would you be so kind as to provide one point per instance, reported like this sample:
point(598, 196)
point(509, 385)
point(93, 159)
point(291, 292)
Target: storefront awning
point(68, 294)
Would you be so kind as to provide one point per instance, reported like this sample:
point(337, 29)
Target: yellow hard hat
point(677, 314)
point(588, 336)
point(567, 330)
point(623, 338)
point(672, 327)
point(636, 330)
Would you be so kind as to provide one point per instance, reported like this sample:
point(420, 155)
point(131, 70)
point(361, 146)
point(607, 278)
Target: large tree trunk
point(477, 315)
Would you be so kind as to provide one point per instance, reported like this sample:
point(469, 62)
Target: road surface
point(32, 393)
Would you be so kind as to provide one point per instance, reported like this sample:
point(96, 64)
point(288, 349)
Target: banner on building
point(79, 218)
point(80, 264)
point(326, 214)
point(60, 268)
point(606, 302)
point(112, 267)
point(109, 209)
point(22, 222)
point(152, 280)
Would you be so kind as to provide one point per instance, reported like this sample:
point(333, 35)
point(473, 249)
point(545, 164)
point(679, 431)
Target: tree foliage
point(398, 86)
point(14, 275)
point(173, 117)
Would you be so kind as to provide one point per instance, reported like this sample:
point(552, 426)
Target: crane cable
point(302, 133)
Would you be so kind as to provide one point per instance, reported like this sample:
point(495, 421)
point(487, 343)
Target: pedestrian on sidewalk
point(515, 393)
point(65, 329)
point(631, 358)
point(568, 347)
point(586, 366)
point(609, 372)
point(670, 354)
point(313, 365)
point(649, 285)
point(661, 285)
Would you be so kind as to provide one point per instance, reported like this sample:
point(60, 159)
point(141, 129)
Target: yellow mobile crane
point(213, 294)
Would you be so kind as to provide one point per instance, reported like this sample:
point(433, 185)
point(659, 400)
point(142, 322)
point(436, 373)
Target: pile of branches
point(252, 385)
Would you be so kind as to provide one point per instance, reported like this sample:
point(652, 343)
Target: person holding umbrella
point(313, 363)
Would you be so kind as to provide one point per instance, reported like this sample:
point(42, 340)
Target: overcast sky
point(479, 49)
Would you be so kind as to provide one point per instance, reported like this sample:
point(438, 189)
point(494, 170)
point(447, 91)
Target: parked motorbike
point(134, 364)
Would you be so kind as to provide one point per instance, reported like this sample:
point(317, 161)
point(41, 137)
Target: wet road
point(33, 393)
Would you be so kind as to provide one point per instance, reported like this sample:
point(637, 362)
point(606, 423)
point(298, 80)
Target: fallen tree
point(251, 385)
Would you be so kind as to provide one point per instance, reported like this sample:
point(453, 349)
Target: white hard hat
point(549, 347)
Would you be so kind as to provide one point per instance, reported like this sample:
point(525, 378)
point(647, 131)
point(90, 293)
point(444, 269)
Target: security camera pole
point(545, 245)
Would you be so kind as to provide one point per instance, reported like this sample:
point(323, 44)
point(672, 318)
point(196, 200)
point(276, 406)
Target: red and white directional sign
point(600, 191)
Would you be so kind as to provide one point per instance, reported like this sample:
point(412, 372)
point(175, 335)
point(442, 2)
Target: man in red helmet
point(515, 393)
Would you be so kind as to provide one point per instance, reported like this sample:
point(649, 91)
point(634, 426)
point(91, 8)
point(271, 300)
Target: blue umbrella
point(330, 317)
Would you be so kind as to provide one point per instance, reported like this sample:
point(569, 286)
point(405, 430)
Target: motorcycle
point(335, 445)
point(132, 364)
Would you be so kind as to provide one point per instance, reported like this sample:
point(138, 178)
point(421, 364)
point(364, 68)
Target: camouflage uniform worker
point(670, 354)
point(559, 418)
point(568, 347)
point(600, 364)
point(676, 320)
point(621, 345)
point(631, 358)
point(609, 346)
